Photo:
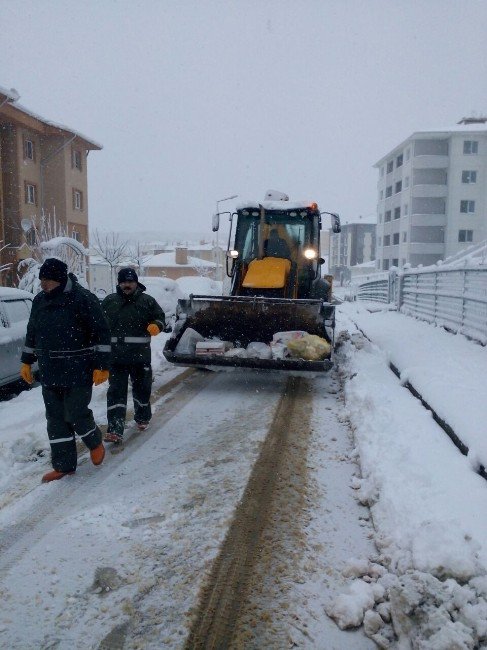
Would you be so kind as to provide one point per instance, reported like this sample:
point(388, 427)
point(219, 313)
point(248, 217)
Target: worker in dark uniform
point(133, 317)
point(276, 246)
point(68, 335)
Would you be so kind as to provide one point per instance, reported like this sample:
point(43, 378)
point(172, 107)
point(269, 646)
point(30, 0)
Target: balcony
point(429, 161)
point(428, 220)
point(422, 248)
point(427, 191)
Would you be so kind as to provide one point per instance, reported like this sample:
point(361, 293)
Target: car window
point(17, 310)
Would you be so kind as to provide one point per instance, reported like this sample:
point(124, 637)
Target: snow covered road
point(375, 518)
point(117, 554)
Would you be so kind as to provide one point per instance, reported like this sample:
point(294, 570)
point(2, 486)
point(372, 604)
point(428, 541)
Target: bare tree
point(203, 271)
point(111, 249)
point(138, 257)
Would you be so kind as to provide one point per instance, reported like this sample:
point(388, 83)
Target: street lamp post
point(227, 198)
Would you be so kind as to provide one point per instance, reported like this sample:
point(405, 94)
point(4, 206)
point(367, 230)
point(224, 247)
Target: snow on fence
point(453, 298)
point(375, 288)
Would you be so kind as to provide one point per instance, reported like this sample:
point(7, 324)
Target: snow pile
point(430, 530)
point(165, 291)
point(415, 608)
point(199, 286)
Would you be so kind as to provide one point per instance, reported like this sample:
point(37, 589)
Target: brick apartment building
point(43, 170)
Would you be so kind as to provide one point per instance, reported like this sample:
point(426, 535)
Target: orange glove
point(99, 376)
point(153, 329)
point(26, 373)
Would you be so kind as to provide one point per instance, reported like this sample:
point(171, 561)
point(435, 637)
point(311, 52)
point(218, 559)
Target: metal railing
point(453, 298)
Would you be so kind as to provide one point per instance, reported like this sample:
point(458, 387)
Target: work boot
point(110, 436)
point(97, 454)
point(142, 426)
point(54, 475)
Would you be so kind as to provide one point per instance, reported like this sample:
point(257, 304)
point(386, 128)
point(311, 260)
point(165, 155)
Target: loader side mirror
point(215, 222)
point(321, 261)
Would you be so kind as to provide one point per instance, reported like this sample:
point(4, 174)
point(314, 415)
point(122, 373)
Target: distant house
point(43, 170)
point(355, 244)
point(177, 264)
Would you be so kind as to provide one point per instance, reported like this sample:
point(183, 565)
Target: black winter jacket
point(68, 334)
point(128, 318)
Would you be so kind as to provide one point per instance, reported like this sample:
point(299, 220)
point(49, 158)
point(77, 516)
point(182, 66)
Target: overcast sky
point(196, 100)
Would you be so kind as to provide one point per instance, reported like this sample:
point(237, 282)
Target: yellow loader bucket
point(245, 319)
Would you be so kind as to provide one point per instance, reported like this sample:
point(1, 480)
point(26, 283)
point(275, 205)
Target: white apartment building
point(432, 195)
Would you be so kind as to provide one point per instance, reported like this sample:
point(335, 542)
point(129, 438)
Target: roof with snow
point(477, 127)
point(10, 107)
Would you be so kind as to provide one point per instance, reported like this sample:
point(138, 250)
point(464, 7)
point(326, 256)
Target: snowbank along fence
point(453, 298)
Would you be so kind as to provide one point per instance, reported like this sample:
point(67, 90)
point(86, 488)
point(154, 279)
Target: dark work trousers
point(141, 377)
point(67, 413)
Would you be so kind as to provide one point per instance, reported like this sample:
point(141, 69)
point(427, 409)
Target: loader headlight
point(310, 254)
point(234, 254)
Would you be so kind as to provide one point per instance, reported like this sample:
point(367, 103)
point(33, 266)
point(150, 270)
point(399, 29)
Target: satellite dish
point(26, 224)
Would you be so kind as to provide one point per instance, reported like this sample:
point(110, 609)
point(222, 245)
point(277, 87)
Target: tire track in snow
point(217, 616)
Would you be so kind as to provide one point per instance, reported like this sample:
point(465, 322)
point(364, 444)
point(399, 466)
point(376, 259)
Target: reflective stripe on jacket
point(128, 318)
point(68, 334)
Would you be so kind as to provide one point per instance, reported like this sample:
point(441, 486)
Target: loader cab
point(275, 250)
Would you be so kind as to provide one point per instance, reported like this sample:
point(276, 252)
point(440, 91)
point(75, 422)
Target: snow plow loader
point(279, 313)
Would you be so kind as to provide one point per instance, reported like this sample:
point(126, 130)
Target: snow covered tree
point(49, 238)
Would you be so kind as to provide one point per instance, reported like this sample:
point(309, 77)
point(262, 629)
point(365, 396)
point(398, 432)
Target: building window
point(403, 262)
point(408, 153)
point(76, 159)
point(385, 264)
point(387, 215)
point(380, 241)
point(470, 146)
point(406, 208)
point(469, 177)
point(388, 191)
point(404, 236)
point(395, 262)
point(395, 239)
point(390, 166)
point(406, 181)
point(397, 213)
point(387, 240)
point(467, 207)
point(398, 187)
point(30, 193)
point(465, 235)
point(399, 160)
point(76, 235)
point(29, 153)
point(77, 200)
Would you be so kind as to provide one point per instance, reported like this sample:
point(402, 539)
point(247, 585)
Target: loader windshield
point(297, 229)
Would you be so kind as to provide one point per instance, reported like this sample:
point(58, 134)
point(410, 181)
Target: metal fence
point(453, 298)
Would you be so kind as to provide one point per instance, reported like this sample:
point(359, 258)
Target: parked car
point(15, 306)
